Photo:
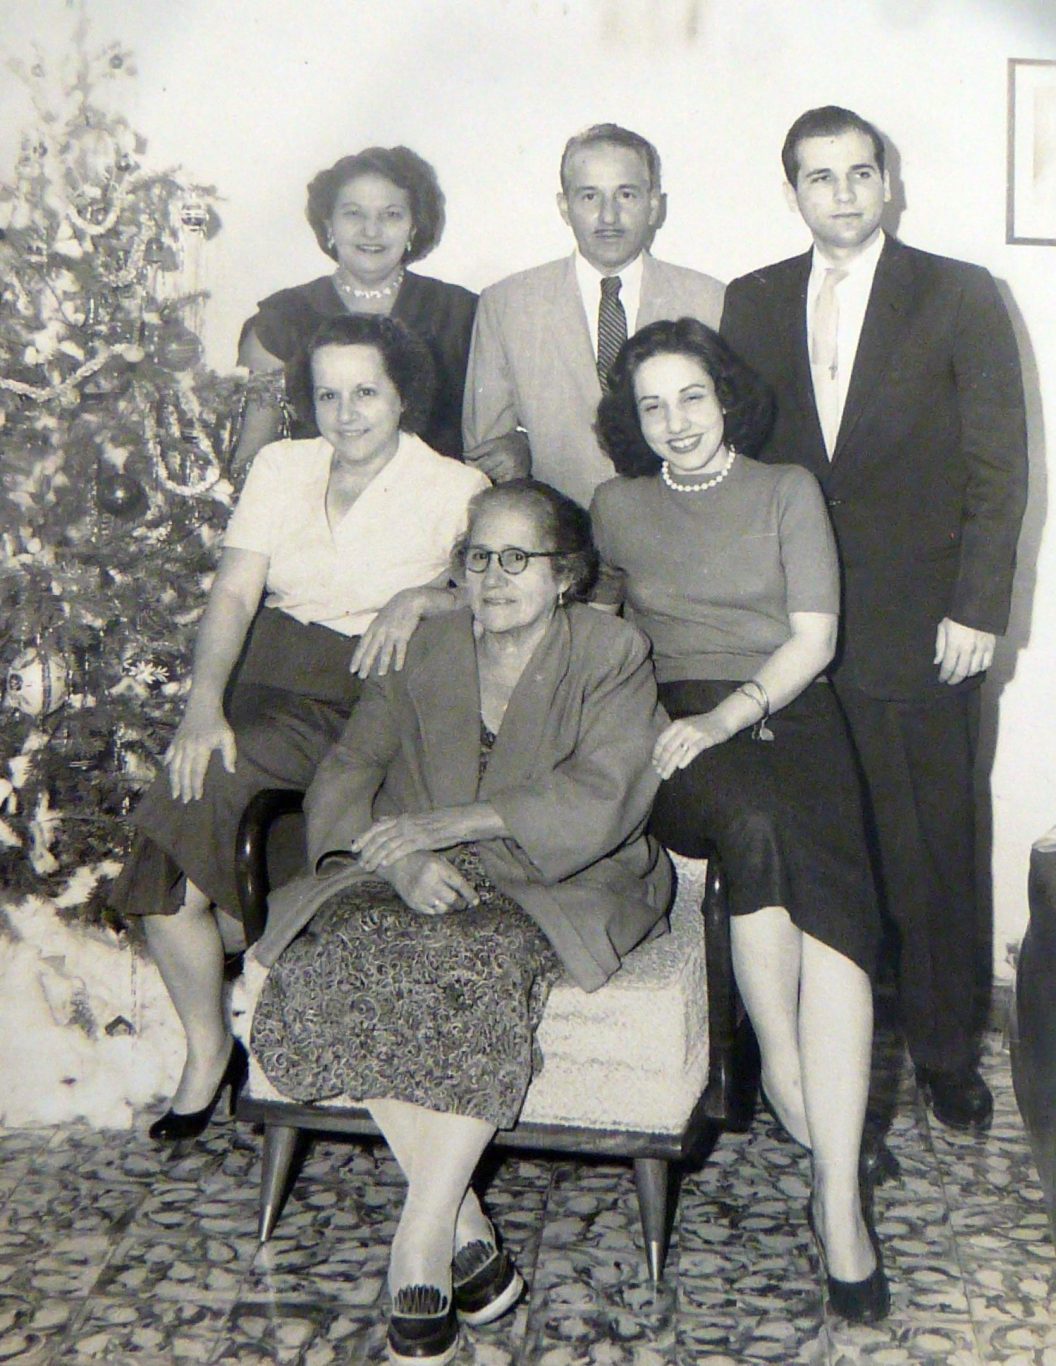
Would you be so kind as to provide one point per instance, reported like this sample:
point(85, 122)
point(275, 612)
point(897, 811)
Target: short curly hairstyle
point(746, 399)
point(406, 359)
point(406, 169)
point(563, 527)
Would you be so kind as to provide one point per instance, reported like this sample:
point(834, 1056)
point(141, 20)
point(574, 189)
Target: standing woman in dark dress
point(729, 566)
point(374, 213)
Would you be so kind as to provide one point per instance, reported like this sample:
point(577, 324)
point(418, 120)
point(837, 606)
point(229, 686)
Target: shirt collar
point(862, 264)
point(590, 277)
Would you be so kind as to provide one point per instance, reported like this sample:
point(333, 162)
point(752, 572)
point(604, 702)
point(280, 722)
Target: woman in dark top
point(729, 567)
point(374, 213)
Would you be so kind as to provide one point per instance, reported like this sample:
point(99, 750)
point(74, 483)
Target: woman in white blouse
point(349, 537)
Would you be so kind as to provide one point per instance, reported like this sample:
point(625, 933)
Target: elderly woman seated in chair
point(479, 827)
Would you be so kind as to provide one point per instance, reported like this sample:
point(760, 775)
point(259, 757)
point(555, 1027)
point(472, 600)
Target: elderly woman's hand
point(683, 740)
point(393, 837)
point(430, 884)
point(187, 758)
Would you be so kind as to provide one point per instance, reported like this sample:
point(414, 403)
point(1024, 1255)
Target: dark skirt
point(377, 1001)
point(290, 698)
point(785, 816)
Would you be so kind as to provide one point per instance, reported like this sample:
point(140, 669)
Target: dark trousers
point(918, 760)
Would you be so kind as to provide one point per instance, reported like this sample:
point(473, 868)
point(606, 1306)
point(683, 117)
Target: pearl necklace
point(352, 292)
point(665, 475)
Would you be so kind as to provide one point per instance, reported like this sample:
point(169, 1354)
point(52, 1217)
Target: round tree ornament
point(177, 347)
point(36, 682)
point(120, 495)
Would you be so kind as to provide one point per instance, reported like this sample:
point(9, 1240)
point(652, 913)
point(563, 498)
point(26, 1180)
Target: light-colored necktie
point(824, 355)
point(612, 326)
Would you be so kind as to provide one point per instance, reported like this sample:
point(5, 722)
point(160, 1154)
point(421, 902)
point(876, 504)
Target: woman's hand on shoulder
point(429, 884)
point(383, 645)
point(683, 740)
point(187, 758)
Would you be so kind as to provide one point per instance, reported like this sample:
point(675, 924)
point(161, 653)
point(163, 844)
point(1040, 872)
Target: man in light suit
point(544, 338)
point(898, 385)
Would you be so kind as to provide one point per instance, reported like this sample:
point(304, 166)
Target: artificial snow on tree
point(113, 484)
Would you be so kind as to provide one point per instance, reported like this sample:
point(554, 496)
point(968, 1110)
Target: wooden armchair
point(641, 1069)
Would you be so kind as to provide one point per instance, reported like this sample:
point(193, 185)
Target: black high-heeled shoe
point(865, 1301)
point(173, 1126)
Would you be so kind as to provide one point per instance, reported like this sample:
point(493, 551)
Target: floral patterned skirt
point(375, 1000)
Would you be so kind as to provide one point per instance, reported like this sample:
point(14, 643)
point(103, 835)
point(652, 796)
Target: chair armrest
point(725, 1099)
point(251, 854)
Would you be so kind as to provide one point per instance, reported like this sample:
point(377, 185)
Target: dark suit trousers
point(918, 760)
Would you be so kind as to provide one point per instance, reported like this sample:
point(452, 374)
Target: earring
point(329, 237)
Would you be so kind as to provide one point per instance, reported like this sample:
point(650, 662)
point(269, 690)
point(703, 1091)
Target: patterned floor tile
point(348, 1268)
point(204, 1268)
point(32, 1326)
point(943, 1342)
point(315, 1334)
point(70, 1206)
point(155, 1330)
point(36, 1262)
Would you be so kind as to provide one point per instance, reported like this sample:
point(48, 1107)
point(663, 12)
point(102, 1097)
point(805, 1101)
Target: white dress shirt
point(852, 294)
point(589, 281)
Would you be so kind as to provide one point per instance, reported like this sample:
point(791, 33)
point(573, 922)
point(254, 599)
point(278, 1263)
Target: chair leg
point(280, 1143)
point(650, 1175)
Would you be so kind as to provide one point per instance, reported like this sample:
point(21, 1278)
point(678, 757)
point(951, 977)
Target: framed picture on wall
point(1031, 211)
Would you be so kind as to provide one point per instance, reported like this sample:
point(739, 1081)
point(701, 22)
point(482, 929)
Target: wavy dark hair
point(828, 121)
point(406, 169)
point(746, 399)
point(405, 357)
point(563, 527)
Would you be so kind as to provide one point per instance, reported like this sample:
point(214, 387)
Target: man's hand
point(503, 457)
point(961, 651)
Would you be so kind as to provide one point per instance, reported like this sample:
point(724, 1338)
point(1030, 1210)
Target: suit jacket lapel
point(446, 699)
point(654, 302)
point(886, 319)
point(569, 334)
point(793, 308)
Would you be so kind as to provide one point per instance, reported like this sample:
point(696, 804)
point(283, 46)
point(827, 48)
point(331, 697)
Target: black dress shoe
point(484, 1282)
point(865, 1301)
point(173, 1126)
point(960, 1100)
point(423, 1327)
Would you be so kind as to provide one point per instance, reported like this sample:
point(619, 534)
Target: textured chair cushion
point(633, 1055)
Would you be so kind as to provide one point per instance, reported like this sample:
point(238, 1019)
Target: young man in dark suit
point(898, 385)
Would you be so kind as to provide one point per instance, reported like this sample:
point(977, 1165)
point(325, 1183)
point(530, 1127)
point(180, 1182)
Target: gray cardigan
point(569, 774)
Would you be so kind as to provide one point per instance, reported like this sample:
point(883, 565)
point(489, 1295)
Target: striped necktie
point(612, 326)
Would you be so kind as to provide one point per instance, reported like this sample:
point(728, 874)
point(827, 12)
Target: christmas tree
point(113, 488)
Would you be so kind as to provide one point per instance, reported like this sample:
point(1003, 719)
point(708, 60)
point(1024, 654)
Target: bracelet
point(757, 693)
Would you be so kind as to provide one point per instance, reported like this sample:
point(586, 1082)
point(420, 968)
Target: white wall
point(256, 95)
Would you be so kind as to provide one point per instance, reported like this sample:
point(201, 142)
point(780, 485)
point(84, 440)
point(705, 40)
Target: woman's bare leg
point(188, 953)
point(439, 1154)
point(836, 1034)
point(766, 962)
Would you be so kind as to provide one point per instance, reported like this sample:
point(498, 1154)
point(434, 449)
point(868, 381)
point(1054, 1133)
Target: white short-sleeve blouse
point(398, 533)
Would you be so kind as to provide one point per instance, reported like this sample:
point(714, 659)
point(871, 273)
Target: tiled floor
point(112, 1254)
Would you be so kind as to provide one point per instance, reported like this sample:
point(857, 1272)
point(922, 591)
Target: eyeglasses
point(512, 560)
